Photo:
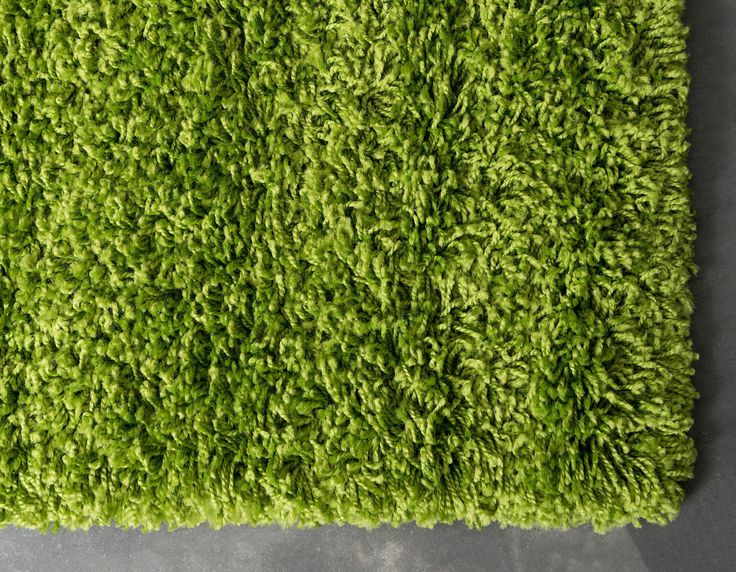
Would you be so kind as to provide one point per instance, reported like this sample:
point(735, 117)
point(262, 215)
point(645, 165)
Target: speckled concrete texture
point(408, 549)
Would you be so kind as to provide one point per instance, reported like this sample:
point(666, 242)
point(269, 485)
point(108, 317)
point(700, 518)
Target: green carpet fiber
point(346, 261)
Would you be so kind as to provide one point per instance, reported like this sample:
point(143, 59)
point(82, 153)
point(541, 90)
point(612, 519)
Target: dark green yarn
point(344, 262)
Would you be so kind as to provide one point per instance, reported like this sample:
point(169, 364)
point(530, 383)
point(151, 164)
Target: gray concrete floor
point(702, 539)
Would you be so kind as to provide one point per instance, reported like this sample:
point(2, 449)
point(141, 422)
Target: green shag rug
point(344, 261)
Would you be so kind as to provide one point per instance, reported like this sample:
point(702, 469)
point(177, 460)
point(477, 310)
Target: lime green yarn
point(344, 261)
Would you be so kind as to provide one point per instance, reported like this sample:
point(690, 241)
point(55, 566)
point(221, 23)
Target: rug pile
point(344, 262)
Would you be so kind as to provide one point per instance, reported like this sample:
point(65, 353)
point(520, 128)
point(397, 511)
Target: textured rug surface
point(346, 261)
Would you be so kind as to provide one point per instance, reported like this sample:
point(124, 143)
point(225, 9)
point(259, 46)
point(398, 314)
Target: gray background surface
point(702, 539)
